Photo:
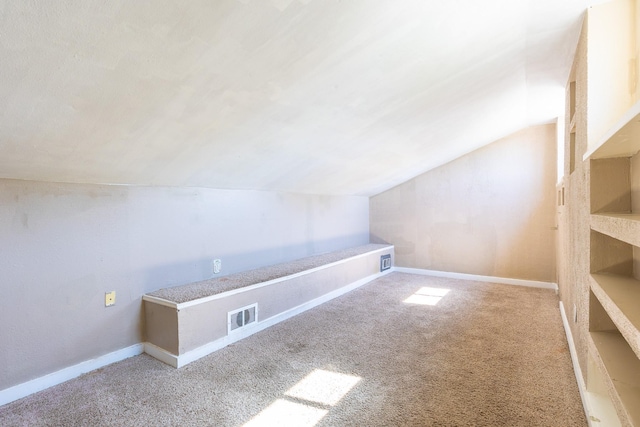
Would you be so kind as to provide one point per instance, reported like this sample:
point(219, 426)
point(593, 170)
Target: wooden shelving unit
point(614, 313)
point(621, 372)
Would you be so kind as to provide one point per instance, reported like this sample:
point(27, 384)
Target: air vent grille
point(242, 317)
point(385, 262)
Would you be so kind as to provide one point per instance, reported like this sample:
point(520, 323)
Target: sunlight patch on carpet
point(427, 296)
point(324, 387)
point(285, 413)
point(320, 389)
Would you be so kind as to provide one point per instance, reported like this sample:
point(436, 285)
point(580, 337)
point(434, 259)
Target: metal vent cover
point(242, 317)
point(385, 262)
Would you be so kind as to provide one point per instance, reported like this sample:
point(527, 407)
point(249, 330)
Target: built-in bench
point(185, 323)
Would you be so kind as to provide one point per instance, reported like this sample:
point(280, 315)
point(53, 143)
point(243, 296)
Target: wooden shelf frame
point(614, 343)
point(621, 367)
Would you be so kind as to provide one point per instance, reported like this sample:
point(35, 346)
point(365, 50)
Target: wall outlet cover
point(109, 298)
point(217, 266)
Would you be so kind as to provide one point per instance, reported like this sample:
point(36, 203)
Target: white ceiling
point(323, 96)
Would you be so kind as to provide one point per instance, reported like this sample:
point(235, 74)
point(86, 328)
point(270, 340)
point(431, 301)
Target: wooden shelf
point(620, 297)
point(621, 373)
point(622, 226)
point(614, 293)
point(622, 140)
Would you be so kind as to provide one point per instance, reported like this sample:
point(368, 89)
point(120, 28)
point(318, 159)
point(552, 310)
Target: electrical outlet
point(110, 298)
point(217, 266)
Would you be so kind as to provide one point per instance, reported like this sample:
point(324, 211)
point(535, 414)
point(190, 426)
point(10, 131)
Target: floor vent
point(385, 262)
point(242, 317)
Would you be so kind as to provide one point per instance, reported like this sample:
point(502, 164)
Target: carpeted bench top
point(193, 291)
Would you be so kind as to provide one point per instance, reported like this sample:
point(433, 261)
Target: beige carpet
point(396, 352)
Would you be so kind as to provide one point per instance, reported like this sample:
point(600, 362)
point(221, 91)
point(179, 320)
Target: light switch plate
point(109, 298)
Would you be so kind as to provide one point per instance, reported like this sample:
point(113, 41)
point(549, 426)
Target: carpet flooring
point(403, 350)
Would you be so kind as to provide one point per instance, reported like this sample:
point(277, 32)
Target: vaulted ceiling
point(310, 96)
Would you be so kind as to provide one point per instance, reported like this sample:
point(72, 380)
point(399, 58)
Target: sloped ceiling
point(311, 96)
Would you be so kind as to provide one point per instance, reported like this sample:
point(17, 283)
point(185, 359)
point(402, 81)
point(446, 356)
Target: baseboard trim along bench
point(188, 322)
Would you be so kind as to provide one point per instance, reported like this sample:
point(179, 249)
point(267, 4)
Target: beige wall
point(491, 212)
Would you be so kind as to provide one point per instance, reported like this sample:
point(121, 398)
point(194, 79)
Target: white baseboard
point(598, 409)
point(576, 365)
point(478, 278)
point(193, 355)
point(161, 354)
point(25, 389)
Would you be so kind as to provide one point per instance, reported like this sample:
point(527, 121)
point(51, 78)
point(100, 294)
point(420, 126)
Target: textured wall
point(491, 212)
point(64, 245)
point(573, 220)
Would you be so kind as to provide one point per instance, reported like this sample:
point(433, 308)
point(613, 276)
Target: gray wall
point(491, 212)
point(64, 245)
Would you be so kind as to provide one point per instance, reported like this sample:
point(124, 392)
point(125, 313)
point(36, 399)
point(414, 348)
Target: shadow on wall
point(404, 250)
point(373, 238)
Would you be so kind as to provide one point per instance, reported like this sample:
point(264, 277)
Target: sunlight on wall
point(320, 389)
point(611, 81)
point(427, 296)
